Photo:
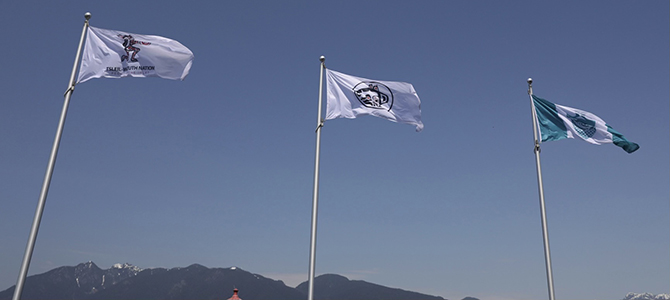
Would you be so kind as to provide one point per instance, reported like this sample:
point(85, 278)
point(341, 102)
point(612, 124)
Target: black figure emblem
point(129, 46)
point(374, 95)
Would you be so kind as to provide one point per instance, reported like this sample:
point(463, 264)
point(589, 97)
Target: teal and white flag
point(558, 122)
point(116, 54)
point(350, 96)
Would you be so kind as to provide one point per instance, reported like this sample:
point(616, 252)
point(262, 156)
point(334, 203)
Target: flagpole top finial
point(87, 15)
point(530, 80)
point(322, 58)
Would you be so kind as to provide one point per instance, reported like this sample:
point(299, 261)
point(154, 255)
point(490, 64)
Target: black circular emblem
point(374, 95)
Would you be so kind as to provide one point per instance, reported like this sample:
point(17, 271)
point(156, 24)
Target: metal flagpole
point(315, 196)
point(545, 232)
point(50, 167)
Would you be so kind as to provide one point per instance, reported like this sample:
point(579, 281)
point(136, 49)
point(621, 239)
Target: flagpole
point(315, 195)
point(545, 232)
point(50, 167)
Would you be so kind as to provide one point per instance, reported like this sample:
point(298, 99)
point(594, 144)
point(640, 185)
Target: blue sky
point(218, 169)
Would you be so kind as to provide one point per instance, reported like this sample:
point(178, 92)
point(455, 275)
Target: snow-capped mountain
point(92, 278)
point(79, 281)
point(124, 281)
point(646, 296)
point(118, 273)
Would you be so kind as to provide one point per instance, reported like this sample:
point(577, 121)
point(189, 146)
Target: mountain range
point(646, 296)
point(87, 281)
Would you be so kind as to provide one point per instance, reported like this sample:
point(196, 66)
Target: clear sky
point(218, 169)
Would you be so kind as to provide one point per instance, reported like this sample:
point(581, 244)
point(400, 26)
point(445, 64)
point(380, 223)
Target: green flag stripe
point(619, 140)
point(551, 125)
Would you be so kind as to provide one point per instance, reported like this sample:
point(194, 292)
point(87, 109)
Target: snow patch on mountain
point(646, 296)
point(127, 267)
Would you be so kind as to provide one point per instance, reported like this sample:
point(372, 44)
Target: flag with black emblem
point(350, 96)
point(116, 54)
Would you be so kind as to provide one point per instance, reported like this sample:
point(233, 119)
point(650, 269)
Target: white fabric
point(599, 136)
point(350, 96)
point(116, 54)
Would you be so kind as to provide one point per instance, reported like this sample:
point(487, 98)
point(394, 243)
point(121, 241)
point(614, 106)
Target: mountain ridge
point(646, 296)
point(86, 281)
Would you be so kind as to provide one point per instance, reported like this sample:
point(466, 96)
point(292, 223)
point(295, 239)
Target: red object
point(235, 297)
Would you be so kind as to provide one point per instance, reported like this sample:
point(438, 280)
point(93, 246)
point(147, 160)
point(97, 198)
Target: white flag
point(350, 96)
point(116, 54)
